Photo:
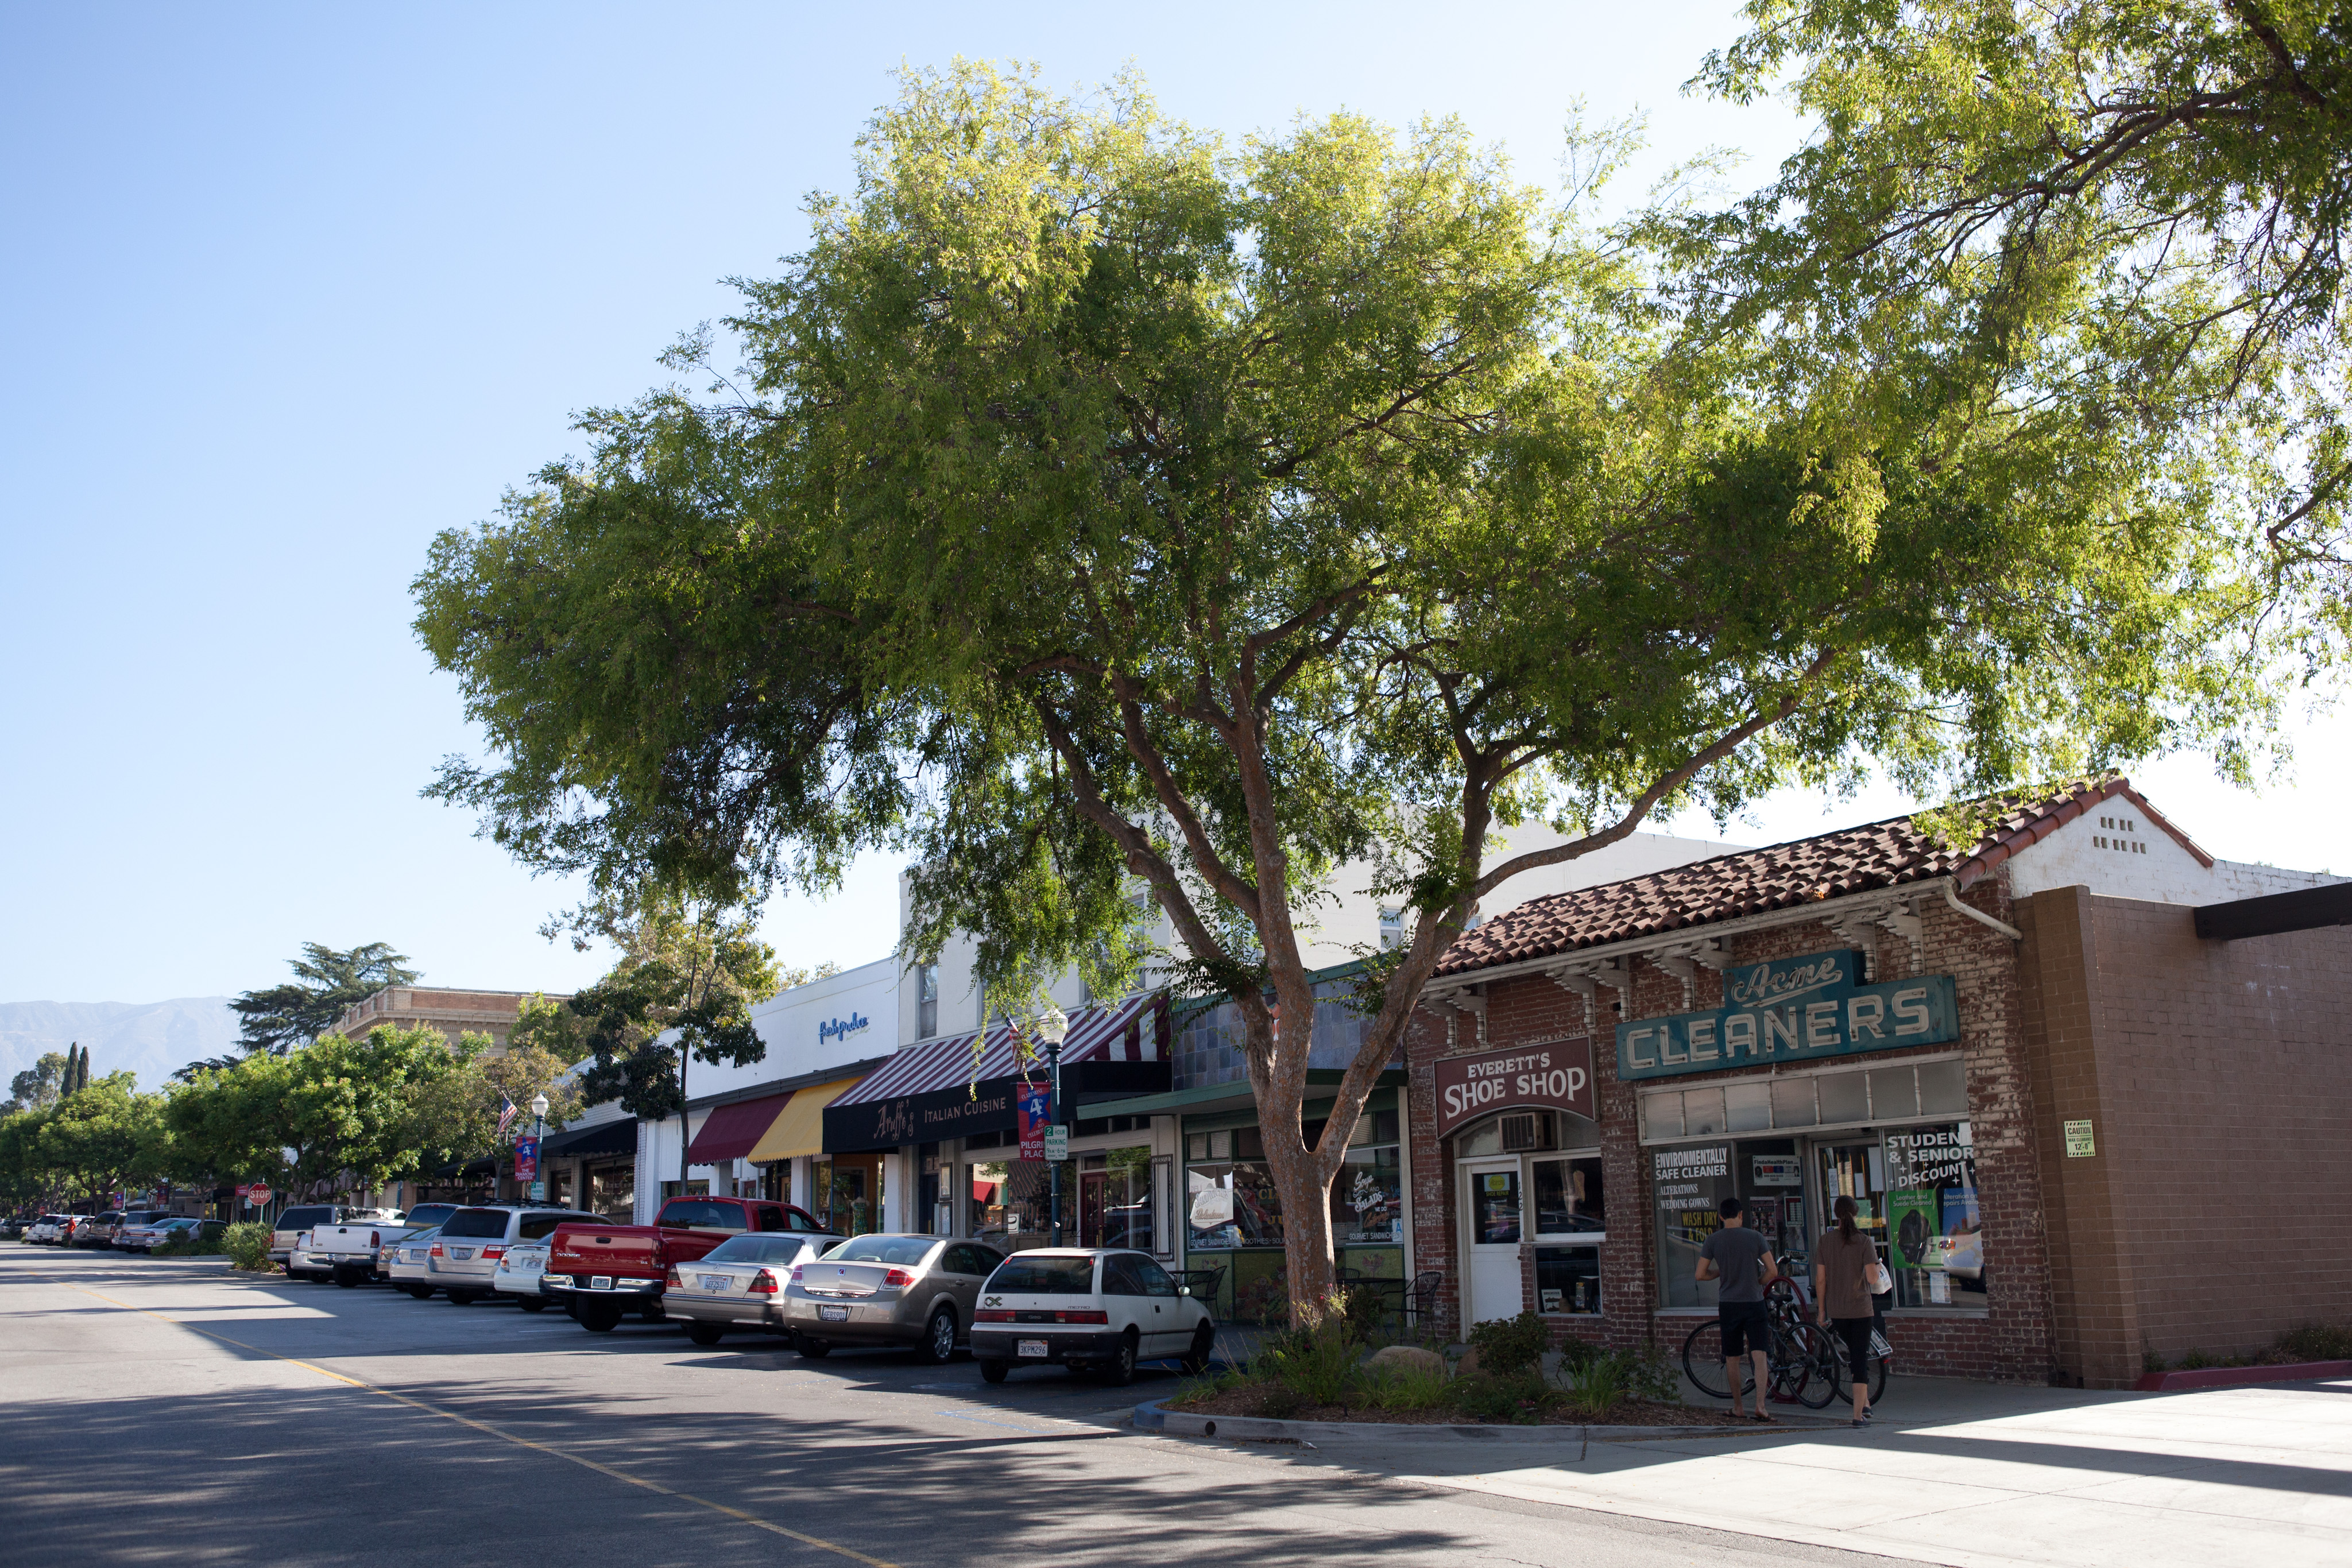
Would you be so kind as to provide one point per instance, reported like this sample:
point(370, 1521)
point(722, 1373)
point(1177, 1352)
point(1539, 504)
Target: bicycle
point(1801, 1358)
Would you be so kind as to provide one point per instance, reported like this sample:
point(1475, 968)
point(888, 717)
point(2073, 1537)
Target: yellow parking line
point(483, 1427)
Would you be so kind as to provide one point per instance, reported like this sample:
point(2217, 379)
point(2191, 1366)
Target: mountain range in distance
point(153, 1039)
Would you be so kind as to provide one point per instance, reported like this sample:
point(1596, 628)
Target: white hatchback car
point(1101, 1307)
point(518, 1273)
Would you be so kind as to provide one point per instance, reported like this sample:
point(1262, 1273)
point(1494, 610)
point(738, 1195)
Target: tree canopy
point(37, 1088)
point(2136, 209)
point(325, 985)
point(1107, 508)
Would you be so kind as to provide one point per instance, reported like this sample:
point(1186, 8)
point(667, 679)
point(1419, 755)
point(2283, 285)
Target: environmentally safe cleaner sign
point(1792, 1010)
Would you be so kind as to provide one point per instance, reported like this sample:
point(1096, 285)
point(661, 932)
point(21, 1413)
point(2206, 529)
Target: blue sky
point(289, 289)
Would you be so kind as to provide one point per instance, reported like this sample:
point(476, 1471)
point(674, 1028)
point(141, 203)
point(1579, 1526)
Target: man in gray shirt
point(1742, 1261)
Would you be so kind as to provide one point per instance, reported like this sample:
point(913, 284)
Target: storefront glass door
point(1495, 1221)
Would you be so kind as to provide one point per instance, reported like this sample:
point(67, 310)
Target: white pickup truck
point(346, 1252)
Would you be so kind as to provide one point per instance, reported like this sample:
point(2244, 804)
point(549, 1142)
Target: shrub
point(1652, 1377)
point(2317, 1342)
point(1408, 1387)
point(1596, 1387)
point(1510, 1347)
point(2151, 1359)
point(247, 1244)
point(1483, 1396)
point(1576, 1354)
point(2197, 1358)
point(1317, 1363)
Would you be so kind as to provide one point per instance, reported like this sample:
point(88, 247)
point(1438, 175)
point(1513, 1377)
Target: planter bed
point(2231, 1377)
point(1640, 1422)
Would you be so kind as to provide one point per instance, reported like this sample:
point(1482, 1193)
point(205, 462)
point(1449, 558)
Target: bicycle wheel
point(1805, 1364)
point(1703, 1362)
point(1845, 1377)
point(1878, 1366)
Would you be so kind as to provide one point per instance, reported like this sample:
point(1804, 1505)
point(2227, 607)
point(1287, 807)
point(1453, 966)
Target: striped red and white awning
point(1124, 1031)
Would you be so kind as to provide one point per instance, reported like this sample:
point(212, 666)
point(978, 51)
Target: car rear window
point(1044, 1277)
point(471, 1223)
point(757, 1248)
point(429, 1214)
point(304, 1218)
point(902, 1250)
point(701, 1214)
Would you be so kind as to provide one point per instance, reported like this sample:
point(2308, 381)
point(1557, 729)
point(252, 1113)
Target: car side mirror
point(1183, 1289)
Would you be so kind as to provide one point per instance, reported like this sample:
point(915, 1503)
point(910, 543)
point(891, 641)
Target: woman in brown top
point(1841, 1297)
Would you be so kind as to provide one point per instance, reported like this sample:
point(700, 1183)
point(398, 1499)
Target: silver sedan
point(917, 1290)
point(738, 1286)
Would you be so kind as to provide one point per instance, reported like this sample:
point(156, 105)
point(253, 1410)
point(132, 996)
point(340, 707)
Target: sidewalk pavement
point(1975, 1475)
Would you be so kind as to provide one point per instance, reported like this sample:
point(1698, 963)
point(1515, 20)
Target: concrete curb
point(2232, 1376)
point(255, 1273)
point(1155, 1416)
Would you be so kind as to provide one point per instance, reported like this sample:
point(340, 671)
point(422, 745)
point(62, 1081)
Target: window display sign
point(1777, 1170)
point(1553, 1074)
point(1791, 1010)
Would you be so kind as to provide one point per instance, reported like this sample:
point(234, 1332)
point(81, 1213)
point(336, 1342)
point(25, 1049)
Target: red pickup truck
point(604, 1271)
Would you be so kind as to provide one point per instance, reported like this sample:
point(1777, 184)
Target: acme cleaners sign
point(1792, 1010)
point(1551, 1074)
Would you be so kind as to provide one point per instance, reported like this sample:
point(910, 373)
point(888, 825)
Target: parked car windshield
point(903, 1251)
point(476, 1222)
point(756, 1250)
point(1044, 1277)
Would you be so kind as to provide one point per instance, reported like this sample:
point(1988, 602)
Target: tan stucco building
point(452, 1011)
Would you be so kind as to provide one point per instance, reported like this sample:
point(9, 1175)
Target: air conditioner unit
point(1523, 1132)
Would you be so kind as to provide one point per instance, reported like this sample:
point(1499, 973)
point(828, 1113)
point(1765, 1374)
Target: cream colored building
point(452, 1011)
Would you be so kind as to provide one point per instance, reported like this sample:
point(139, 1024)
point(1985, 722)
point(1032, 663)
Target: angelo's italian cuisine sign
point(1554, 1075)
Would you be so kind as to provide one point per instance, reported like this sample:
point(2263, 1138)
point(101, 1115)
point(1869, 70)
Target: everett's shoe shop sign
point(1556, 1073)
point(1792, 1010)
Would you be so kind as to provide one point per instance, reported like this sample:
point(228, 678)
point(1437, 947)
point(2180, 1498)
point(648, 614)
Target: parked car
point(519, 1274)
point(885, 1289)
point(97, 1231)
point(348, 1250)
point(737, 1284)
point(607, 1270)
point(44, 1230)
point(286, 1236)
point(408, 1267)
point(465, 1257)
point(69, 1226)
point(141, 1231)
point(12, 1227)
point(1099, 1307)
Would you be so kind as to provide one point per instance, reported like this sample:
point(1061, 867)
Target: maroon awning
point(730, 1132)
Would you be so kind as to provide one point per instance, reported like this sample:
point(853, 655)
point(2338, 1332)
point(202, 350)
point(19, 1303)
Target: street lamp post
point(1053, 1028)
point(537, 1143)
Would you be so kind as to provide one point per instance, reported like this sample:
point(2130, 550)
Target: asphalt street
point(164, 1411)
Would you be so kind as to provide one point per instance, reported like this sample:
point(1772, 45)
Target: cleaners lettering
point(1840, 1019)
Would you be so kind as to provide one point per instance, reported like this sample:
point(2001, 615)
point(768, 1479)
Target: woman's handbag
point(1875, 1278)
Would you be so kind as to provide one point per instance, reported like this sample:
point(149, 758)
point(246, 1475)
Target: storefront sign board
point(1792, 1010)
point(1548, 1075)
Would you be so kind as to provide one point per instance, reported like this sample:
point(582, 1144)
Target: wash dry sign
point(1792, 1010)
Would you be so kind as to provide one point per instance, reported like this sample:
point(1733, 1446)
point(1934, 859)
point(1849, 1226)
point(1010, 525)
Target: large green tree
point(2132, 214)
point(1107, 508)
point(37, 1088)
point(106, 1136)
point(345, 1109)
point(327, 983)
point(690, 971)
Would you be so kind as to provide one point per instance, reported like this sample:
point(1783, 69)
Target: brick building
point(452, 1011)
point(2069, 1074)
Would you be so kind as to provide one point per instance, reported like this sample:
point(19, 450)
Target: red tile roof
point(1784, 876)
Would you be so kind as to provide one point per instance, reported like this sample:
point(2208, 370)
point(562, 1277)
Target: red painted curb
point(2228, 1376)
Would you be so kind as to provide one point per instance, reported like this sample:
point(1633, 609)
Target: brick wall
point(2011, 1342)
point(2218, 1080)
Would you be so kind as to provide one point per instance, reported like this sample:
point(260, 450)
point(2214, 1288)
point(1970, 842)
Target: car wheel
point(993, 1370)
point(1119, 1370)
point(422, 1292)
point(347, 1280)
point(531, 1303)
point(815, 1349)
point(599, 1317)
point(1204, 1343)
point(703, 1333)
point(937, 1343)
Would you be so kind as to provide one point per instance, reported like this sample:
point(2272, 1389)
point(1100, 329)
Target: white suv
point(1102, 1307)
point(463, 1259)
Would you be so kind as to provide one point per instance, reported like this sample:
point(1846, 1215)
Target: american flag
point(505, 1114)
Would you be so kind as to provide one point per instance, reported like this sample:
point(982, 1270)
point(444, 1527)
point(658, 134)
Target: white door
point(1492, 1220)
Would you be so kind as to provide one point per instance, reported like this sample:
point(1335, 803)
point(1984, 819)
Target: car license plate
point(461, 1253)
point(715, 1281)
point(833, 1315)
point(600, 1282)
point(1033, 1347)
